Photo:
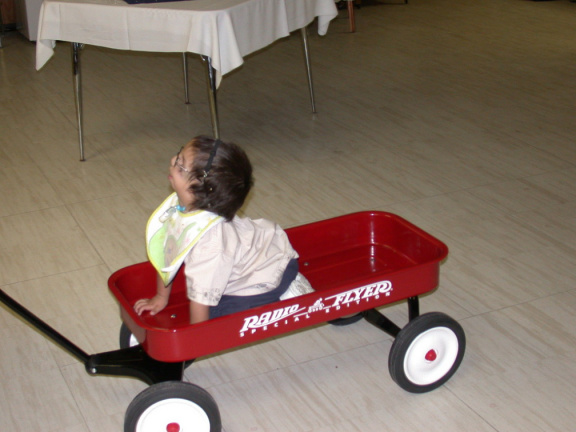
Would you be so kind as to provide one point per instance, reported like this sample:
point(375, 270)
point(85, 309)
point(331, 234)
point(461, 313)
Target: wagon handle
point(130, 362)
point(42, 327)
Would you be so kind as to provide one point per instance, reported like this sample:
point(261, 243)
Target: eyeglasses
point(177, 162)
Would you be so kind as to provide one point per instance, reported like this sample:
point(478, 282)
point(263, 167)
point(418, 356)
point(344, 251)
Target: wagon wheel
point(173, 406)
point(426, 352)
point(346, 320)
point(128, 340)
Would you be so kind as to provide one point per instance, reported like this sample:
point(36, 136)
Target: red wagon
point(355, 263)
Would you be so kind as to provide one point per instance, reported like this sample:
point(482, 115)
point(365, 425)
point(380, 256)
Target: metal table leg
point(76, 48)
point(211, 75)
point(308, 67)
point(185, 67)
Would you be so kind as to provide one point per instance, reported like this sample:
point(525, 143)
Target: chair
point(352, 3)
point(1, 25)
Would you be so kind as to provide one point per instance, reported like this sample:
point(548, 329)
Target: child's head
point(223, 186)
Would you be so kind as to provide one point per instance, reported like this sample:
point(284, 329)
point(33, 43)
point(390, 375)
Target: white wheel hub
point(133, 341)
point(173, 415)
point(431, 355)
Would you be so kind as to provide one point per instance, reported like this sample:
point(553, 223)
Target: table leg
point(308, 67)
point(76, 71)
point(211, 75)
point(185, 67)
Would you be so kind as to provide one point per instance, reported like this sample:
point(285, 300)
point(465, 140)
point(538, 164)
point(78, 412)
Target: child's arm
point(156, 303)
point(198, 312)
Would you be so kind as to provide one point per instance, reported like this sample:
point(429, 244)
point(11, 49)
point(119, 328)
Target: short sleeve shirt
point(240, 257)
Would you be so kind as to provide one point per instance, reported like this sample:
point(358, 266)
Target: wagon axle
point(431, 355)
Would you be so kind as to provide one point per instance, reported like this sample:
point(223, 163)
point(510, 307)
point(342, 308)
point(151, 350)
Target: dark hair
point(228, 181)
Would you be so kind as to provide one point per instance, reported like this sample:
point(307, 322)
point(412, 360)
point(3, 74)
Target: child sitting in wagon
point(231, 263)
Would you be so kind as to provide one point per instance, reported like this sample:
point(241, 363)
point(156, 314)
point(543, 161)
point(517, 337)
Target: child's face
point(179, 175)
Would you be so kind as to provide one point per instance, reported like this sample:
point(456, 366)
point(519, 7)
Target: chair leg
point(351, 17)
point(1, 26)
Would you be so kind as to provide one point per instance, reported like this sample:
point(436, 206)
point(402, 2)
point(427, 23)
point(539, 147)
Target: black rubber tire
point(348, 320)
point(427, 352)
point(126, 340)
point(173, 402)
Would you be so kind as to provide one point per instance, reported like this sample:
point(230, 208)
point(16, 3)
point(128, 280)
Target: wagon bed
point(354, 262)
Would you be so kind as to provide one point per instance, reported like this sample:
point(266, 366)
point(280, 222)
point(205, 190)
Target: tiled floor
point(457, 115)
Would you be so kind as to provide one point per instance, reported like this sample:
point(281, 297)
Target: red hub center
point(431, 355)
point(173, 427)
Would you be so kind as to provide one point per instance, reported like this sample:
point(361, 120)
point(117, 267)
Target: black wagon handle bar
point(42, 327)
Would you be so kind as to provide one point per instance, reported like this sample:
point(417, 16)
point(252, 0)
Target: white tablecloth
point(224, 30)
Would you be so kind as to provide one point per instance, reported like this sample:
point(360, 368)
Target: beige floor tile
point(100, 396)
point(115, 226)
point(106, 423)
point(521, 376)
point(34, 119)
point(42, 243)
point(78, 182)
point(25, 189)
point(77, 305)
point(326, 340)
point(66, 293)
point(77, 428)
point(352, 385)
point(13, 153)
point(237, 364)
point(419, 413)
point(29, 351)
point(455, 115)
point(45, 394)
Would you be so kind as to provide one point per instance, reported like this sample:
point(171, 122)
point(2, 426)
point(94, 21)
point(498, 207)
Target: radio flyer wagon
point(355, 263)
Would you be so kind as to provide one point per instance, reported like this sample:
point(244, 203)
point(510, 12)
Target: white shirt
point(241, 257)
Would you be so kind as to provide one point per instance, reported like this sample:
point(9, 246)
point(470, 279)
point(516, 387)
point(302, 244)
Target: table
point(223, 32)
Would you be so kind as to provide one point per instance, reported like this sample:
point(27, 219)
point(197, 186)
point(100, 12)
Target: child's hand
point(153, 305)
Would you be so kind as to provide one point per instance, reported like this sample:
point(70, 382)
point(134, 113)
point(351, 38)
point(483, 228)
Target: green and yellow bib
point(171, 234)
